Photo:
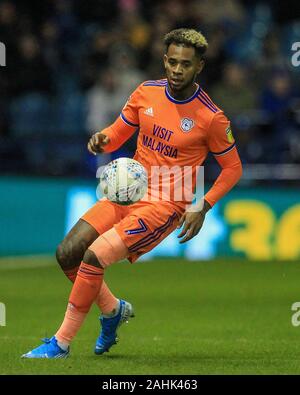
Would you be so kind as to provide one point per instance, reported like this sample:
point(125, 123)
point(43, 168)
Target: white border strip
point(26, 262)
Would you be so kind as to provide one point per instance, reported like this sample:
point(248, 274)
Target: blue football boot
point(50, 349)
point(108, 334)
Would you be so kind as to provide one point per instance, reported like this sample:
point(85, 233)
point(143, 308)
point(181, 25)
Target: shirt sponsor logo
point(159, 146)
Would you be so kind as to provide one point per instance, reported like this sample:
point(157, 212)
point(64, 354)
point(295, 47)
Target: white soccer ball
point(124, 181)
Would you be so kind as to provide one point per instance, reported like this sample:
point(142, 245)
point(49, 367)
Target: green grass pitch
point(220, 317)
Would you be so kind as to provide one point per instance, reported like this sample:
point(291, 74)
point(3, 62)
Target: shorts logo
point(186, 124)
point(229, 134)
point(143, 228)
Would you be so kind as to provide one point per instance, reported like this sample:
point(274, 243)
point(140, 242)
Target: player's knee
point(67, 255)
point(91, 259)
point(109, 248)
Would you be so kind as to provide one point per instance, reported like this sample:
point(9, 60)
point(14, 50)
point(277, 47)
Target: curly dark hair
point(187, 38)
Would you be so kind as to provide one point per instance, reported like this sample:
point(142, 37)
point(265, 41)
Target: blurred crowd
point(71, 65)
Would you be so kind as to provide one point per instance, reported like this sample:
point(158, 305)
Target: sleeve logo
point(126, 102)
point(229, 134)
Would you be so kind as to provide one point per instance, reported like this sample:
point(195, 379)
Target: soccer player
point(178, 125)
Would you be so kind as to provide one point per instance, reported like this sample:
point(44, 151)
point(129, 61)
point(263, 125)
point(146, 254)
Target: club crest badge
point(186, 124)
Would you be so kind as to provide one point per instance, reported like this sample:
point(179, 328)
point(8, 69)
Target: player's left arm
point(222, 145)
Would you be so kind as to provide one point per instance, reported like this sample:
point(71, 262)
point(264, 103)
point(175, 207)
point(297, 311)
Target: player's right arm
point(115, 135)
point(97, 143)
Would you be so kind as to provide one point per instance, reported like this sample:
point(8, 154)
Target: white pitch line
point(26, 262)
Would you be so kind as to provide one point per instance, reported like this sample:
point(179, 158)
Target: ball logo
point(186, 124)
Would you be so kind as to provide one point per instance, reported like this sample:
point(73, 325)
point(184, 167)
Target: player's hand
point(97, 142)
point(192, 222)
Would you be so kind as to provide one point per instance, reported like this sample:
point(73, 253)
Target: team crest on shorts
point(186, 124)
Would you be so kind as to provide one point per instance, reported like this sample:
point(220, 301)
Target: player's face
point(182, 66)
